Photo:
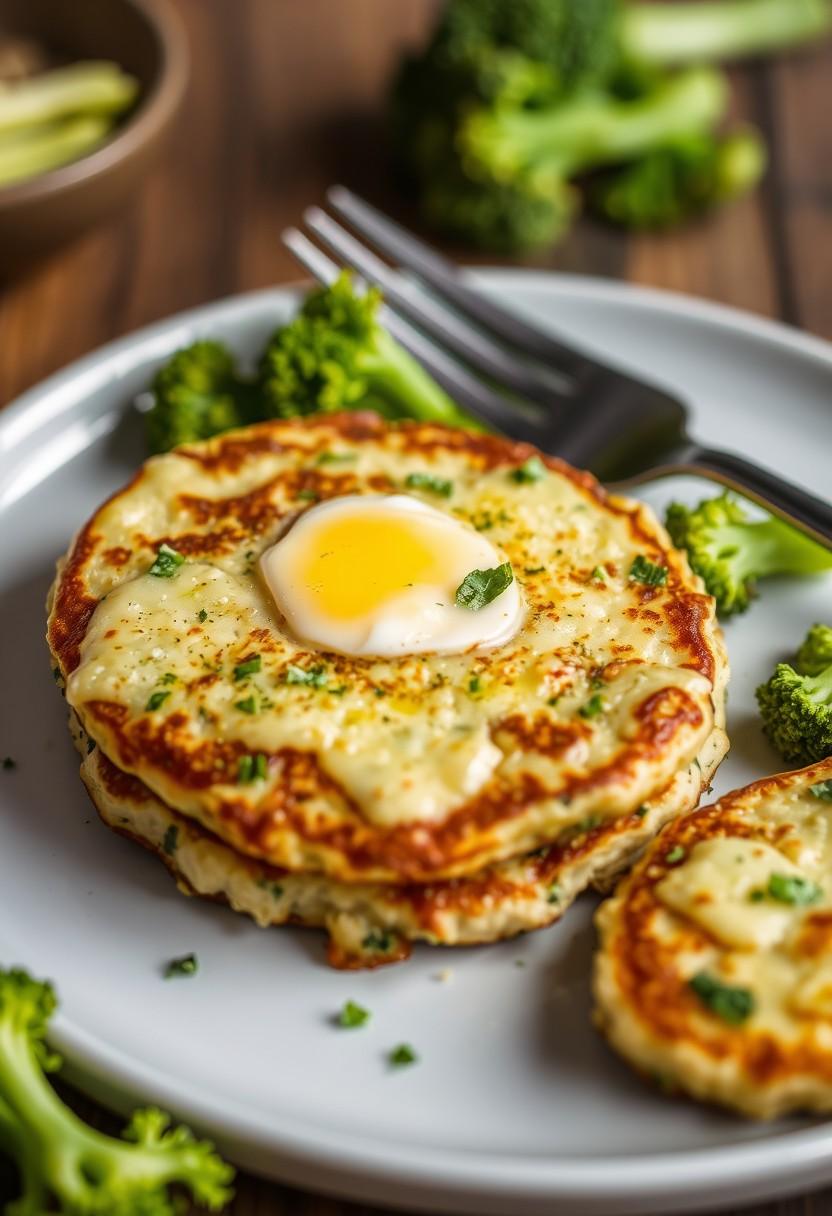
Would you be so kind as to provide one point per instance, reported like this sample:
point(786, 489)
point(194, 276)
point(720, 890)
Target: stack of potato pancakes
point(290, 743)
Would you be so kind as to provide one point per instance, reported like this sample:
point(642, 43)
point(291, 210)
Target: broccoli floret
point(197, 394)
point(335, 355)
point(796, 703)
point(730, 552)
point(70, 1168)
point(672, 184)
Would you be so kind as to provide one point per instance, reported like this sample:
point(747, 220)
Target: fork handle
point(812, 515)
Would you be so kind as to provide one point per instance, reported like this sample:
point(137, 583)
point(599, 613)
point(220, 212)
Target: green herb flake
point(155, 701)
point(335, 457)
point(642, 811)
point(168, 678)
point(531, 470)
point(202, 616)
point(313, 677)
point(379, 942)
point(307, 496)
point(554, 894)
point(170, 841)
point(252, 768)
point(353, 1016)
point(247, 706)
point(733, 1005)
point(167, 562)
point(402, 1055)
point(677, 853)
point(756, 896)
point(248, 667)
point(186, 965)
point(481, 587)
point(475, 685)
point(822, 790)
point(533, 569)
point(645, 571)
point(793, 889)
point(594, 706)
point(433, 485)
point(9, 764)
point(599, 575)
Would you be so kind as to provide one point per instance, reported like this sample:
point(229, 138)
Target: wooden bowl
point(146, 38)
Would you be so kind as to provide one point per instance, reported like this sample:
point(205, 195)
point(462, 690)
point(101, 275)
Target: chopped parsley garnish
point(481, 587)
point(170, 842)
point(274, 888)
point(594, 706)
point(433, 485)
point(734, 1005)
point(532, 469)
point(402, 1055)
point(167, 562)
point(645, 571)
point(599, 575)
point(186, 965)
point(202, 616)
point(475, 684)
point(677, 853)
point(168, 678)
point(307, 496)
point(335, 457)
point(314, 677)
point(533, 569)
point(252, 768)
point(156, 700)
point(757, 896)
point(642, 811)
point(352, 1016)
point(380, 942)
point(9, 764)
point(246, 706)
point(822, 790)
point(553, 895)
point(248, 667)
point(793, 889)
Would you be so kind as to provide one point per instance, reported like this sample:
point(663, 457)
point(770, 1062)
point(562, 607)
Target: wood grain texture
point(285, 98)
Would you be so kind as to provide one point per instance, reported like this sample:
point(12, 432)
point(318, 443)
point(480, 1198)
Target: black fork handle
point(809, 513)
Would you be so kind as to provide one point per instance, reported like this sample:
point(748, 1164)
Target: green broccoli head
point(66, 1166)
point(197, 394)
point(815, 653)
point(672, 184)
point(576, 42)
point(336, 355)
point(796, 703)
point(730, 552)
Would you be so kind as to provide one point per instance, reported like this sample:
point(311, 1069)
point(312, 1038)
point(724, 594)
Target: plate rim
point(364, 1167)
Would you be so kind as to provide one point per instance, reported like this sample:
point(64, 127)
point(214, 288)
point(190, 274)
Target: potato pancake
point(399, 769)
point(714, 970)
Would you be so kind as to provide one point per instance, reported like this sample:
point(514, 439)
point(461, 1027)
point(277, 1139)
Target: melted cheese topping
point(720, 888)
point(408, 738)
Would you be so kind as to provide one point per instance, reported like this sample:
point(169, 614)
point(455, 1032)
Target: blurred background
point(283, 97)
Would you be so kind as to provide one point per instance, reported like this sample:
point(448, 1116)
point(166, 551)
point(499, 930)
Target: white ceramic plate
point(515, 1103)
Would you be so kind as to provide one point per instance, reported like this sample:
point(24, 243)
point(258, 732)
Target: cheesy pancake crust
point(394, 770)
point(372, 925)
point(714, 968)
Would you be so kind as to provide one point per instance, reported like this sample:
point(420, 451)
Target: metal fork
point(527, 383)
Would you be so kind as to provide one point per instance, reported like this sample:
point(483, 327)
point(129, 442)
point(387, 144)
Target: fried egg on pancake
point(714, 970)
point(405, 768)
point(371, 925)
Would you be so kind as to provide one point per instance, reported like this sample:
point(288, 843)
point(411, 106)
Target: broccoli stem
point(819, 688)
point(771, 547)
point(91, 88)
point(594, 130)
point(404, 388)
point(39, 149)
point(708, 30)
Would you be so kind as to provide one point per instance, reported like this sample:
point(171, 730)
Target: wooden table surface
point(284, 99)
